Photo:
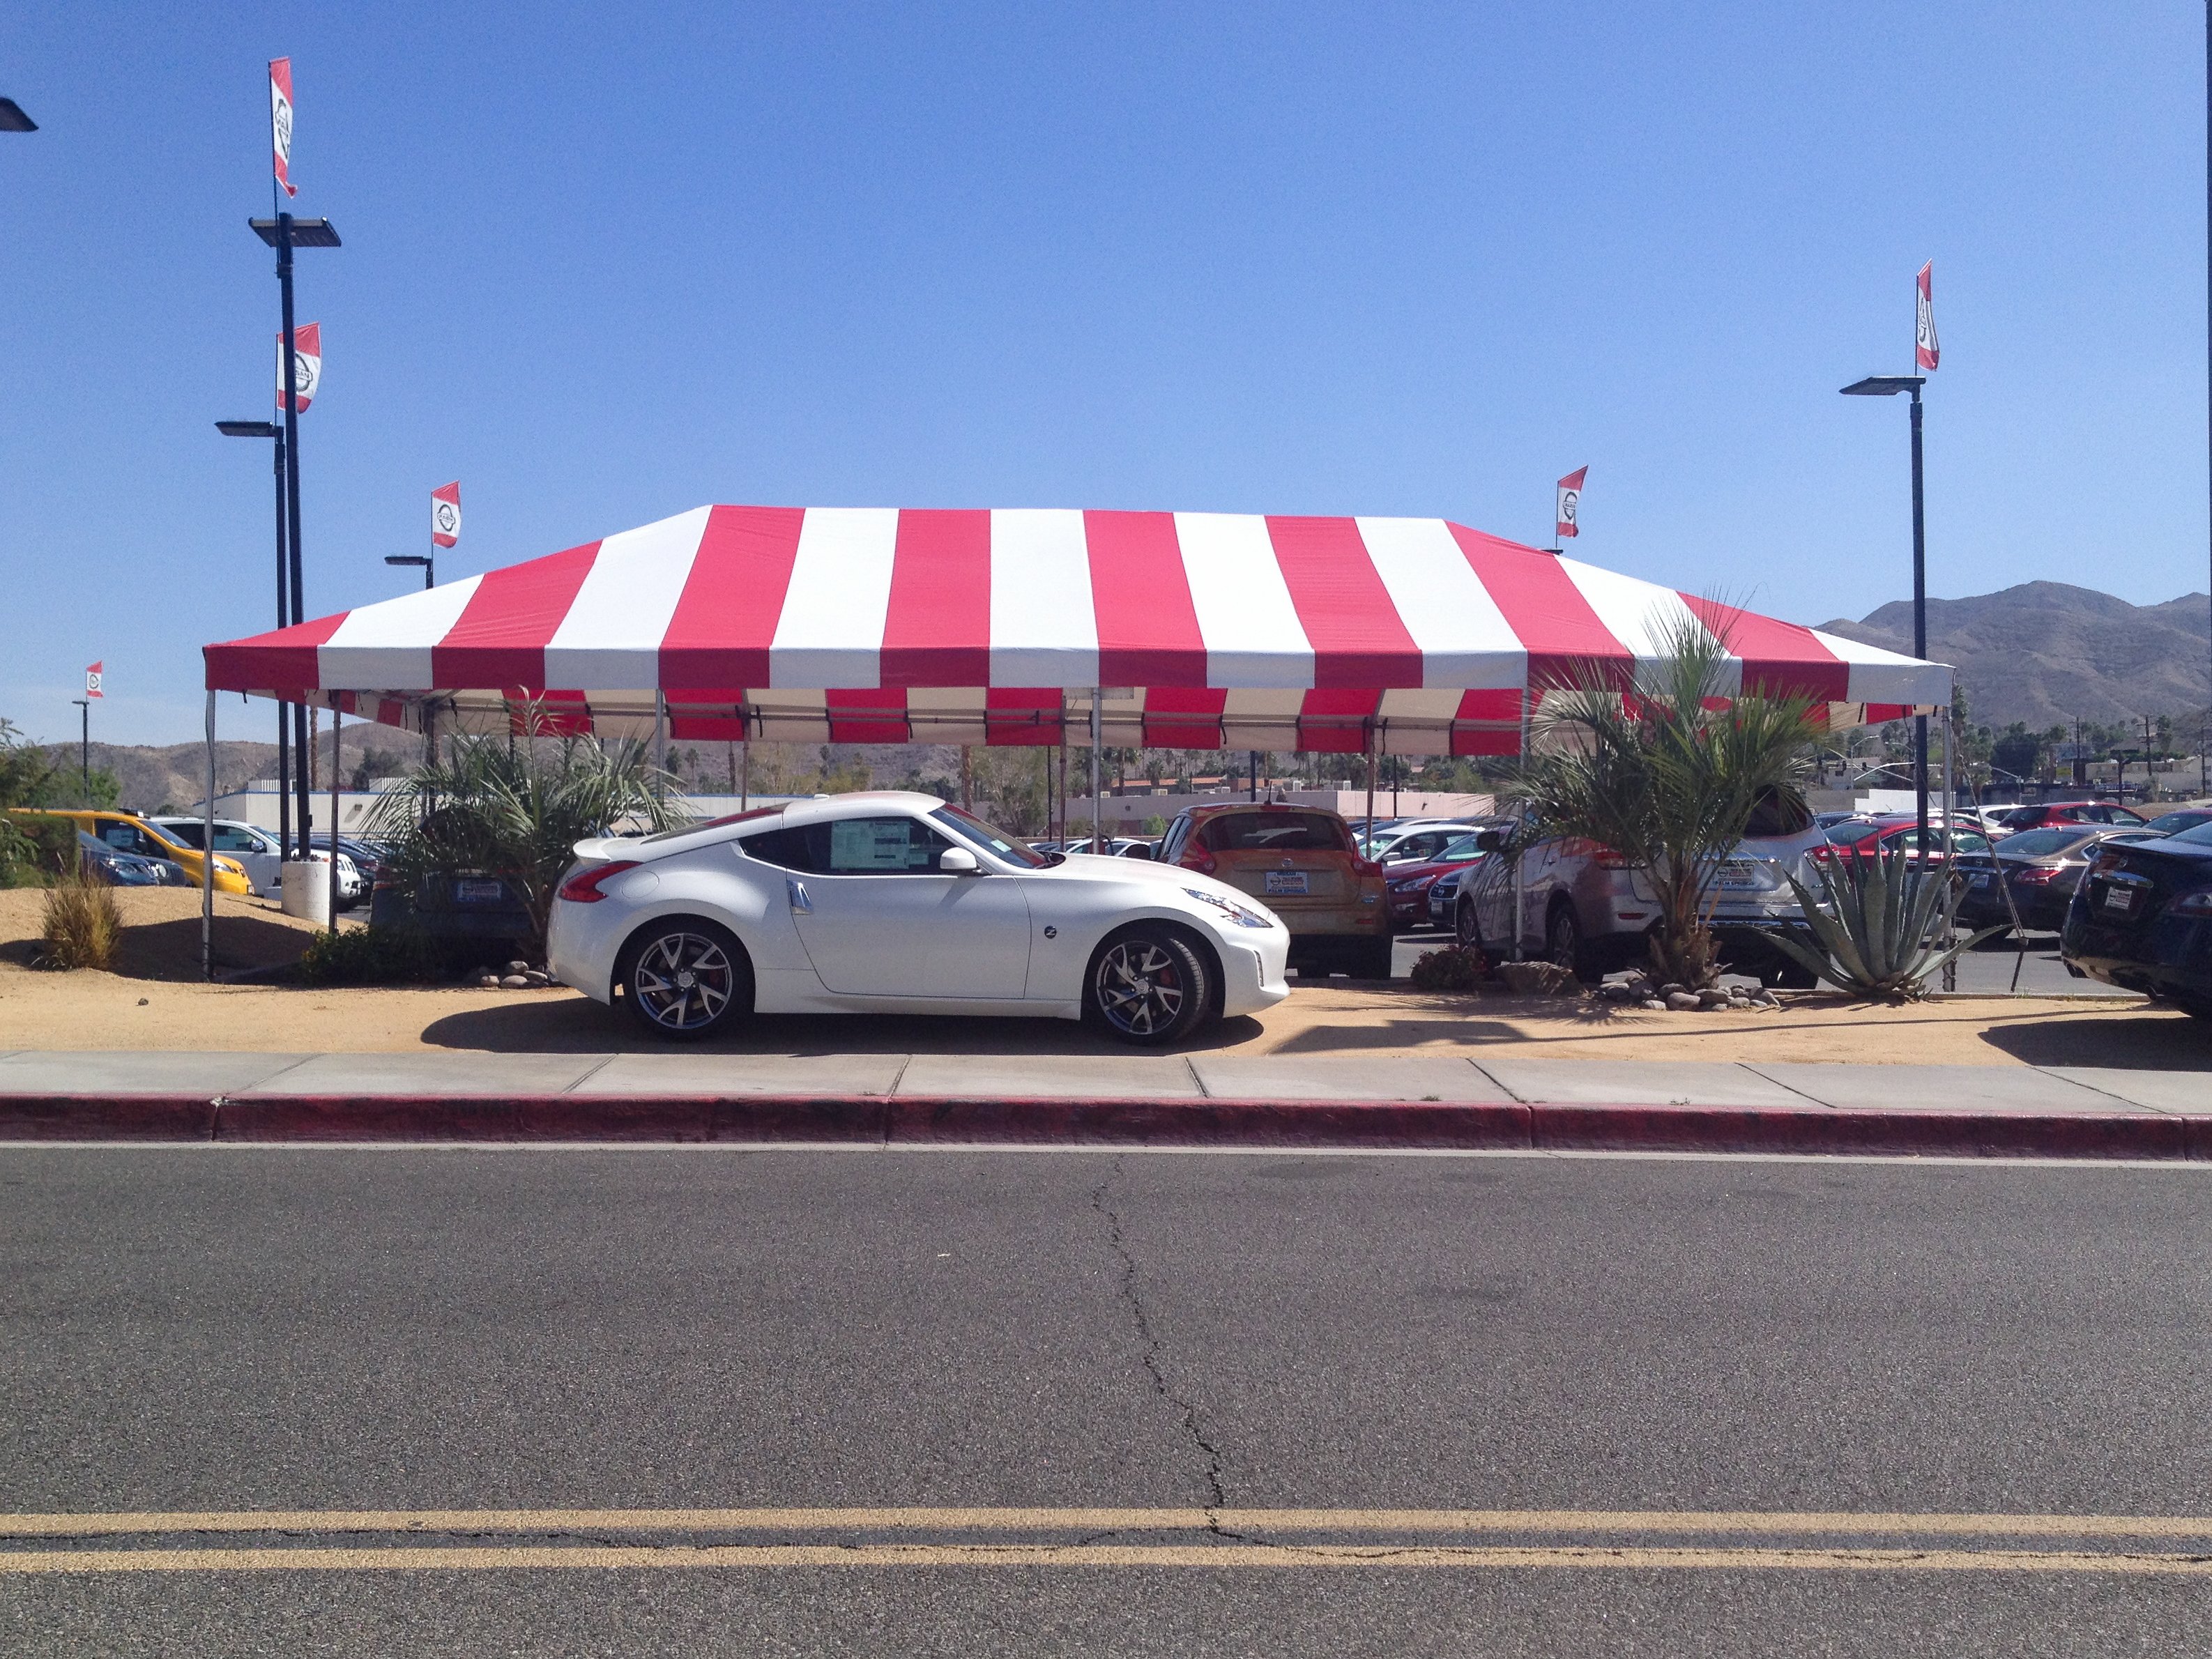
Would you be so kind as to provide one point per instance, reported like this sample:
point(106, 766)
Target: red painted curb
point(924, 1120)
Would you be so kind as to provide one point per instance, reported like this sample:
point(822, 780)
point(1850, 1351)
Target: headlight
point(1237, 912)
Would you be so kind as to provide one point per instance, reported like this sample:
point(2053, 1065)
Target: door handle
point(800, 904)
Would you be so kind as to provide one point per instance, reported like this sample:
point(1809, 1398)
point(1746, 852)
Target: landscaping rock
point(1670, 990)
point(514, 982)
point(1713, 998)
point(1655, 1004)
point(518, 967)
point(538, 979)
point(1526, 979)
point(1681, 1001)
point(488, 981)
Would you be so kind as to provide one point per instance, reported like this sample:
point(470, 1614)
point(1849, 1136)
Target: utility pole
point(84, 746)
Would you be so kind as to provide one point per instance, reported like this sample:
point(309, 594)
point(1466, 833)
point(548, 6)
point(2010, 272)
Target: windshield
point(2042, 843)
point(1001, 844)
point(1464, 847)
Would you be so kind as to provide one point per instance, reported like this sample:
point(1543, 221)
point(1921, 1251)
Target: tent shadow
point(2146, 1042)
point(576, 1024)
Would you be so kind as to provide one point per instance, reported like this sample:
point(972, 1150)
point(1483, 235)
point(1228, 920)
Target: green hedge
point(36, 848)
point(373, 955)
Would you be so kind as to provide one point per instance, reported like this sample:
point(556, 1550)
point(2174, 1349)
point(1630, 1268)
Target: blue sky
point(604, 263)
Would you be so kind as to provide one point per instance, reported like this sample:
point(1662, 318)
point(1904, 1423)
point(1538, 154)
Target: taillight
point(1200, 860)
point(583, 887)
point(1365, 867)
point(1611, 861)
point(2034, 875)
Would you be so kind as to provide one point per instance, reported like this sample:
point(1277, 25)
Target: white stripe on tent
point(1251, 628)
point(612, 633)
point(1880, 676)
point(1645, 618)
point(831, 632)
point(1465, 640)
point(1040, 599)
point(387, 645)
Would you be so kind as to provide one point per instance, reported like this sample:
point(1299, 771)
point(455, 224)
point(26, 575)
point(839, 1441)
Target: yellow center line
point(1754, 1522)
point(1231, 1556)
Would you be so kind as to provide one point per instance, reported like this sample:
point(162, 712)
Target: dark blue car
point(2141, 918)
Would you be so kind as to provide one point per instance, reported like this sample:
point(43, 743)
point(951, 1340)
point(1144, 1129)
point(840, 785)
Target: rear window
point(1274, 832)
point(1778, 812)
point(2041, 843)
point(2201, 836)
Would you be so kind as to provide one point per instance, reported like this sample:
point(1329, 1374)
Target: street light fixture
point(270, 429)
point(284, 232)
point(12, 118)
point(429, 562)
point(1888, 386)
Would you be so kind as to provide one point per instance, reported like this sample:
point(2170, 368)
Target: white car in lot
point(891, 902)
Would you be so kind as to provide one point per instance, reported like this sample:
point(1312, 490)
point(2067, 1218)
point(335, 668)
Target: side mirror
point(958, 861)
point(1489, 840)
point(1140, 850)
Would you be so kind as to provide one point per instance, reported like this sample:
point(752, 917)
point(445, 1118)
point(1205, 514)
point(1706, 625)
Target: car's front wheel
point(685, 979)
point(1148, 986)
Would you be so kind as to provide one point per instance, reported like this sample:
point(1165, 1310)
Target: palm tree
point(518, 809)
point(1666, 777)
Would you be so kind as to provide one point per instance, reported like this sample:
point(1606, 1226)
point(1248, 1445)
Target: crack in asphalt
point(1149, 1355)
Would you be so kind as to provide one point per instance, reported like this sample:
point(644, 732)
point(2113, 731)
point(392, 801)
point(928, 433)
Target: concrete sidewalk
point(1126, 1099)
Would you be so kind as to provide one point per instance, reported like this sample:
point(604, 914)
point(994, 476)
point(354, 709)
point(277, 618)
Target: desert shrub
point(80, 926)
point(1455, 968)
point(373, 956)
point(35, 849)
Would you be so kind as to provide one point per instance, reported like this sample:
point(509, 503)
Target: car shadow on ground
point(576, 1024)
point(2144, 1042)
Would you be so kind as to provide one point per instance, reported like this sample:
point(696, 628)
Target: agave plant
point(1876, 919)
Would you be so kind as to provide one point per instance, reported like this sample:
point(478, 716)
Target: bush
point(35, 849)
point(80, 926)
point(1455, 968)
point(373, 956)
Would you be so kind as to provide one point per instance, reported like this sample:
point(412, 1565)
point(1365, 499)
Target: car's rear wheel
point(1467, 924)
point(1563, 944)
point(1149, 987)
point(686, 979)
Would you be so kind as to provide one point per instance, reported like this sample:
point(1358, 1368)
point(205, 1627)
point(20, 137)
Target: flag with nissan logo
point(92, 678)
point(307, 356)
point(280, 120)
point(1570, 501)
point(1924, 349)
point(445, 514)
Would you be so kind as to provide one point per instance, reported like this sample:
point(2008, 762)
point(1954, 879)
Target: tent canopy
point(1206, 630)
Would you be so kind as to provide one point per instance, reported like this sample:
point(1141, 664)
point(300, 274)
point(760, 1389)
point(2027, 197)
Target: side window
point(231, 840)
point(883, 847)
point(1171, 847)
point(790, 848)
point(188, 835)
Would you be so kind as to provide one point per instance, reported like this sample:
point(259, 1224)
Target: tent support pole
point(1097, 734)
point(1950, 822)
point(660, 736)
point(337, 719)
point(967, 778)
point(207, 855)
point(1369, 746)
point(1519, 847)
point(1063, 774)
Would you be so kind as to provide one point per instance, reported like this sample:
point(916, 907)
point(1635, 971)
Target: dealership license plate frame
point(1288, 884)
point(2122, 899)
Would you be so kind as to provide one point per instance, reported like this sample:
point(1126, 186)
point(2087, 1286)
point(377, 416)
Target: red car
point(1894, 836)
point(2048, 813)
point(1408, 884)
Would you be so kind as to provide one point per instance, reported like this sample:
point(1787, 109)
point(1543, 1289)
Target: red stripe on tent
point(937, 627)
point(1017, 715)
point(501, 636)
point(1490, 706)
point(1357, 637)
point(1183, 716)
point(1878, 713)
point(1481, 742)
point(532, 712)
point(726, 618)
point(1547, 612)
point(869, 715)
point(1147, 626)
point(284, 662)
point(1333, 720)
point(1779, 659)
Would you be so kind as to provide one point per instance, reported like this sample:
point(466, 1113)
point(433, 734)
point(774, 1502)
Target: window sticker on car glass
point(870, 843)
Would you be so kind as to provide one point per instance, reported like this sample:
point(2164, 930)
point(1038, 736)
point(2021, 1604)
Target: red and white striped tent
point(1206, 630)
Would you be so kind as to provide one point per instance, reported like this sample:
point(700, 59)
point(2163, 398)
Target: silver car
point(1586, 908)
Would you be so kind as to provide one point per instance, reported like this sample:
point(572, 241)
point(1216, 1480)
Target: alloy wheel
point(683, 982)
point(1141, 988)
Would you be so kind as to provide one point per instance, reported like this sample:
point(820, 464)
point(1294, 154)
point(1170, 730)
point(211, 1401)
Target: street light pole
point(84, 747)
point(428, 561)
point(1888, 386)
point(270, 429)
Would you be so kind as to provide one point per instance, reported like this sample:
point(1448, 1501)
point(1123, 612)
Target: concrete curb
point(882, 1120)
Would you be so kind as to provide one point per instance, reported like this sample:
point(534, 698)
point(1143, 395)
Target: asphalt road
point(223, 1330)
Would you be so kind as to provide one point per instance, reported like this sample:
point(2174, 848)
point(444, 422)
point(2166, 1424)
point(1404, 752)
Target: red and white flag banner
point(1924, 349)
point(280, 121)
point(308, 360)
point(92, 677)
point(1570, 501)
point(445, 514)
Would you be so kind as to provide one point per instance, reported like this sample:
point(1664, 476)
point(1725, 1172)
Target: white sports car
point(891, 902)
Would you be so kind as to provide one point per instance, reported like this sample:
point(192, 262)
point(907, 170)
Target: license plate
point(1978, 881)
point(2119, 898)
point(479, 892)
point(1286, 881)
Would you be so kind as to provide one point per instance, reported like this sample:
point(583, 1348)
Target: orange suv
point(1300, 862)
